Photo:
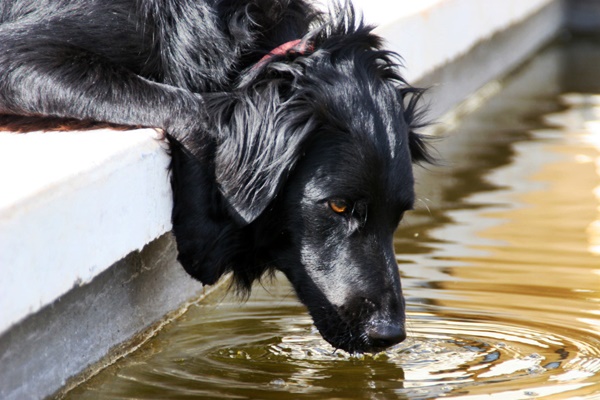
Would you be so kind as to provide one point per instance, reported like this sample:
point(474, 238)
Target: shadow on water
point(500, 265)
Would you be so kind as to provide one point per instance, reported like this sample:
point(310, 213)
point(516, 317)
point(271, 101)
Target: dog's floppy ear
point(260, 136)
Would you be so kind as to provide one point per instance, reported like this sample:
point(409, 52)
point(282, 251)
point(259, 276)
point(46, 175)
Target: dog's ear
point(260, 137)
point(414, 113)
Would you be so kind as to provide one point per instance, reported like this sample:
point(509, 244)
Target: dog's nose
point(386, 334)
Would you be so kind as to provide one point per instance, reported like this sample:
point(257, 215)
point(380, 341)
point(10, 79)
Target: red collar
point(295, 46)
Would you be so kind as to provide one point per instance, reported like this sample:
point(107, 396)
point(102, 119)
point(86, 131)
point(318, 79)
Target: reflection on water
point(501, 268)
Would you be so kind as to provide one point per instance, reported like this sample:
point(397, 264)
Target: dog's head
point(314, 158)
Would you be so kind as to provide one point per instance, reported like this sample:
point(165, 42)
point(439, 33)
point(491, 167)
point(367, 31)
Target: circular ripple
point(259, 353)
point(443, 356)
point(480, 355)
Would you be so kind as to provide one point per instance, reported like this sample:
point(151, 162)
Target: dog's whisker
point(424, 202)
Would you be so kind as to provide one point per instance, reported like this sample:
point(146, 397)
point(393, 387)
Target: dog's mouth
point(350, 321)
point(356, 335)
point(365, 340)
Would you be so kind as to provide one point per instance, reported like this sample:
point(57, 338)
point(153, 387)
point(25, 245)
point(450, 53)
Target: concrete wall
point(431, 33)
point(119, 308)
point(71, 205)
point(86, 261)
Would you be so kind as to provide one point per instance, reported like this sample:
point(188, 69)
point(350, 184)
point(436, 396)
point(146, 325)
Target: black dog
point(291, 135)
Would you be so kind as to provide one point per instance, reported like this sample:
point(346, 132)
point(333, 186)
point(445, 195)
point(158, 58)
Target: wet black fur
point(258, 149)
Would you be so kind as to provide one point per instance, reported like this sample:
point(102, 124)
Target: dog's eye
point(338, 206)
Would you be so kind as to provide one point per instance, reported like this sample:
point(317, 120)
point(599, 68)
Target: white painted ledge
point(74, 203)
point(431, 33)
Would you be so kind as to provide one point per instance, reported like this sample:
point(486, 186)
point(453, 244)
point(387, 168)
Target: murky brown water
point(501, 267)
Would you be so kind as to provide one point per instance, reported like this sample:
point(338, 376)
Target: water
point(500, 264)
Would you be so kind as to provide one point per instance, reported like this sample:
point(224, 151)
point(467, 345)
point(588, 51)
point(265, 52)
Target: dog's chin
point(356, 326)
point(352, 337)
point(351, 340)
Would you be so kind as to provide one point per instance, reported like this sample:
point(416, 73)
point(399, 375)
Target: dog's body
point(297, 159)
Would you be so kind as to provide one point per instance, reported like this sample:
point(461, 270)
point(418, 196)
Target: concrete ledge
point(40, 354)
point(431, 33)
point(456, 81)
point(73, 205)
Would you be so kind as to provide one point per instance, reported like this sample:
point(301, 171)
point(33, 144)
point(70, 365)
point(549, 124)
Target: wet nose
point(386, 334)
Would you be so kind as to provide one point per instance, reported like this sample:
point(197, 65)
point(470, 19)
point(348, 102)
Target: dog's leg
point(40, 76)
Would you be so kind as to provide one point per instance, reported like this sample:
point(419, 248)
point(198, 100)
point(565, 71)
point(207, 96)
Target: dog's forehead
point(372, 108)
point(355, 168)
point(363, 150)
point(379, 135)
